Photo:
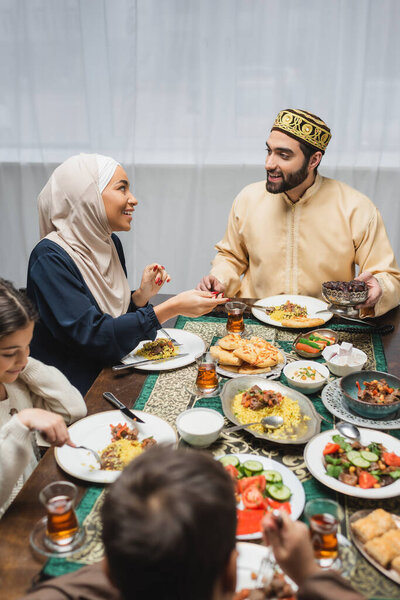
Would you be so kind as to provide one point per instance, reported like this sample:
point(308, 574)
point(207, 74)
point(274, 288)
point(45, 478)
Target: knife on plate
point(124, 409)
point(140, 363)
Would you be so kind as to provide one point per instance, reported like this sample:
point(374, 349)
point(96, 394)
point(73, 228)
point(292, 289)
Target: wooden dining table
point(18, 565)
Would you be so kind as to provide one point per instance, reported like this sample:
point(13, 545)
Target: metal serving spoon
point(348, 430)
point(267, 422)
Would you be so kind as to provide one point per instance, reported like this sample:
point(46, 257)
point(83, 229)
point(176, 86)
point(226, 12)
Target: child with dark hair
point(33, 396)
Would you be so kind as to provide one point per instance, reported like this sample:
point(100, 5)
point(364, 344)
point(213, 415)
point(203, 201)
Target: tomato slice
point(391, 459)
point(366, 480)
point(257, 480)
point(233, 472)
point(330, 448)
point(274, 504)
point(252, 498)
point(249, 521)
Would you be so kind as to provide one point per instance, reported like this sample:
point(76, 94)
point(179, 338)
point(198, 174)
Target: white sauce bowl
point(200, 427)
point(307, 387)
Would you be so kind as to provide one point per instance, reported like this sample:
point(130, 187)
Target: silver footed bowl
point(344, 297)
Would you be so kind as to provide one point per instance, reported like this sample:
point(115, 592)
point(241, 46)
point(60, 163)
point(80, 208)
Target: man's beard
point(289, 181)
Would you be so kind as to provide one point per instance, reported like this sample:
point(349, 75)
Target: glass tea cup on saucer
point(324, 517)
point(207, 378)
point(235, 322)
point(61, 530)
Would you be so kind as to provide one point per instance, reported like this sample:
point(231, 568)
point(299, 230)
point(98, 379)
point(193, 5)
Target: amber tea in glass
point(62, 524)
point(235, 322)
point(324, 516)
point(207, 378)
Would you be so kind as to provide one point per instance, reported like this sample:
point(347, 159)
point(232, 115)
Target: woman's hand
point(153, 278)
point(192, 303)
point(50, 425)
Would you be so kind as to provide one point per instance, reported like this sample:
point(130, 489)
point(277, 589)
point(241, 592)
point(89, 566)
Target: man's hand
point(374, 289)
point(291, 545)
point(209, 283)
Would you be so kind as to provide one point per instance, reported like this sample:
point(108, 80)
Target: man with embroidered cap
point(298, 229)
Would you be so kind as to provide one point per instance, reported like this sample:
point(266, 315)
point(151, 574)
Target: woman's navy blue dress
point(72, 333)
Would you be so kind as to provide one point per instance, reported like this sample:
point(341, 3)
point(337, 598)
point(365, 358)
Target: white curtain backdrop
point(183, 93)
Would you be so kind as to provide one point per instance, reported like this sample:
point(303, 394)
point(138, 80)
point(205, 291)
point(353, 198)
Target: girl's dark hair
point(16, 310)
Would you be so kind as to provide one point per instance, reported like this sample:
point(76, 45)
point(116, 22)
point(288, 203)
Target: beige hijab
point(72, 214)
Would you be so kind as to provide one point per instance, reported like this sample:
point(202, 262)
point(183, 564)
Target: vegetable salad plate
point(313, 305)
point(334, 400)
point(95, 432)
point(313, 456)
point(191, 344)
point(286, 489)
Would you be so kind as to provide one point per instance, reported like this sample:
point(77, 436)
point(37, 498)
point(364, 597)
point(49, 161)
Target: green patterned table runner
point(167, 394)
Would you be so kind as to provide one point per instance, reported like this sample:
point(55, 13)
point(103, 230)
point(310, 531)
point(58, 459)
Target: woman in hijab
point(89, 318)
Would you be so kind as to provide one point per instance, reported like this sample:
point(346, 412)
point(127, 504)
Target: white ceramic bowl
point(200, 427)
point(342, 370)
point(307, 387)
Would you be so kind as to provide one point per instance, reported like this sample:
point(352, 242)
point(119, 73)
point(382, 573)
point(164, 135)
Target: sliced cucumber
point(229, 460)
point(370, 456)
point(252, 467)
point(352, 454)
point(279, 492)
point(361, 462)
point(272, 476)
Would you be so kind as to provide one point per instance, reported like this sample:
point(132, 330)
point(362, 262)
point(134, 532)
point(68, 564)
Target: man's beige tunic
point(282, 247)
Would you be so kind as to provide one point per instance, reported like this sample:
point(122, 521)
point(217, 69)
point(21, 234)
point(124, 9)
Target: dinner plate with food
point(376, 534)
point(116, 438)
point(191, 346)
point(239, 356)
point(293, 311)
point(369, 468)
point(249, 398)
point(262, 485)
point(274, 582)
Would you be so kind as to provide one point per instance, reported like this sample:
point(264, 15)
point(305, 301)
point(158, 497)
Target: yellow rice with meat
point(118, 454)
point(288, 409)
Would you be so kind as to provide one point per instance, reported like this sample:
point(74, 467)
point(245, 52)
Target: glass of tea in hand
point(235, 322)
point(324, 517)
point(207, 378)
point(62, 525)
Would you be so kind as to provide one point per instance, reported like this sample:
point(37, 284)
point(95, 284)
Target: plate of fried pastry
point(238, 356)
point(376, 533)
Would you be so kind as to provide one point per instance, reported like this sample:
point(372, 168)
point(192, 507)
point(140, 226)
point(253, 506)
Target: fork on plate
point(173, 340)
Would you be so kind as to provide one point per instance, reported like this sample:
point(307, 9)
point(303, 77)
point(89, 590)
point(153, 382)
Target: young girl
point(33, 396)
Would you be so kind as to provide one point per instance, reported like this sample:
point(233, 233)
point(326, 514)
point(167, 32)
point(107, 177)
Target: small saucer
point(211, 394)
point(246, 333)
point(41, 543)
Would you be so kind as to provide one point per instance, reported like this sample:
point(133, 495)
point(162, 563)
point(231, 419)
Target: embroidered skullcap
point(304, 127)
point(106, 167)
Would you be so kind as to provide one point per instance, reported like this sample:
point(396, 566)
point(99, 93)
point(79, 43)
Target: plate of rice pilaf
point(111, 435)
point(300, 306)
point(301, 420)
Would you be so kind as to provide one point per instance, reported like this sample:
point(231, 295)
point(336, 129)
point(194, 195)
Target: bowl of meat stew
point(372, 394)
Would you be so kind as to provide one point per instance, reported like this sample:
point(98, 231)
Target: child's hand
point(291, 545)
point(50, 425)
